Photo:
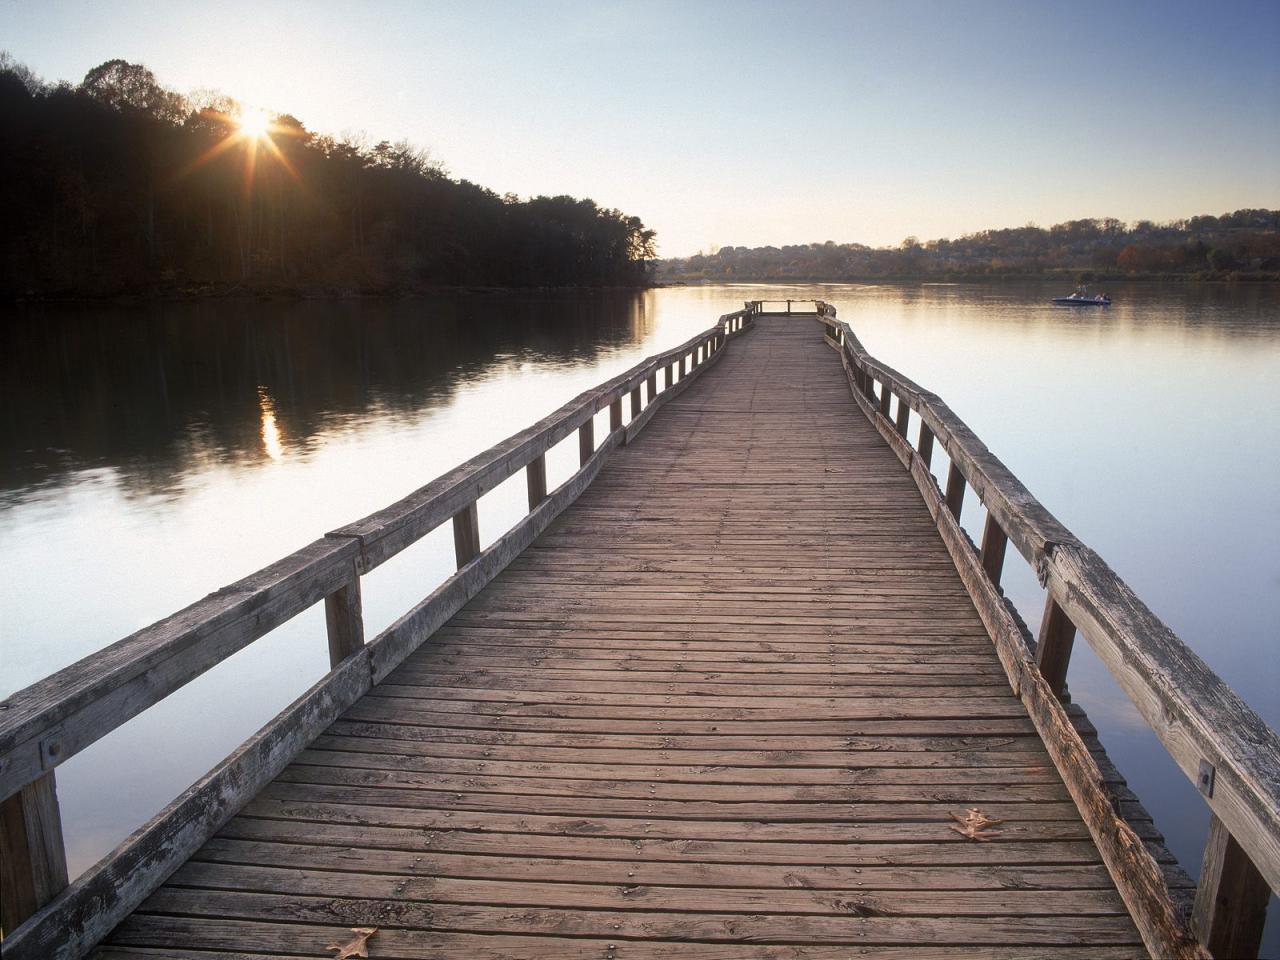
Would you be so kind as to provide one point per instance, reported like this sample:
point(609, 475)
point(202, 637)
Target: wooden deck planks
point(723, 708)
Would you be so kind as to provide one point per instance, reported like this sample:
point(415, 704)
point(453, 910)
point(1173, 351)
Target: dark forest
point(1244, 245)
point(119, 186)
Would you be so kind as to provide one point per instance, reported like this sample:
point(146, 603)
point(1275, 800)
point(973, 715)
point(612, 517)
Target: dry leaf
point(357, 946)
point(974, 825)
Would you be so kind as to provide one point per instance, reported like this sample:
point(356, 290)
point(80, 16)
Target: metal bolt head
point(1205, 778)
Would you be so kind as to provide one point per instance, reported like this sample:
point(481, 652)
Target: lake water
point(152, 453)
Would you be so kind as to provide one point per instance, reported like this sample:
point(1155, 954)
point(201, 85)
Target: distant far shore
point(1070, 278)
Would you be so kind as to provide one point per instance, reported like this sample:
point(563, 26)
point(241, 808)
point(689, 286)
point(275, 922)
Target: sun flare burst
point(250, 132)
point(254, 124)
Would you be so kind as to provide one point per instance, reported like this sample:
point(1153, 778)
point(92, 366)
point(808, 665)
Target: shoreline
point(1093, 279)
point(240, 293)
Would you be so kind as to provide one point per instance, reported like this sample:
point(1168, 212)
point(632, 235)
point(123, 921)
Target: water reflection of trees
point(152, 391)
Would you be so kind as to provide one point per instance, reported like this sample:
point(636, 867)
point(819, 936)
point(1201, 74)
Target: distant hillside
point(1242, 245)
point(119, 186)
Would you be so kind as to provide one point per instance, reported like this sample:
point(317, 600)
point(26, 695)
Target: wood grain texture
point(723, 706)
point(344, 619)
point(1231, 900)
point(33, 860)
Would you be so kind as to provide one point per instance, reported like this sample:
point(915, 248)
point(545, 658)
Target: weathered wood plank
point(847, 929)
point(920, 902)
point(283, 938)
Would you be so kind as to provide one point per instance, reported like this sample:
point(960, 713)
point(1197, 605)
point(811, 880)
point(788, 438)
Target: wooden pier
point(728, 692)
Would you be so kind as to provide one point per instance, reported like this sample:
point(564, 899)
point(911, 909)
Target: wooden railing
point(764, 308)
point(1221, 744)
point(40, 727)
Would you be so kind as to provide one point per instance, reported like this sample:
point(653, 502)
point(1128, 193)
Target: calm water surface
point(151, 454)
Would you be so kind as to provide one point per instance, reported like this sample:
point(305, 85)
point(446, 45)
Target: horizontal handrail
point(1220, 743)
point(759, 306)
point(53, 719)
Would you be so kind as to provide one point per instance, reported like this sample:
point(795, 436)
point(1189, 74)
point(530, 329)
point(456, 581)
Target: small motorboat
point(1085, 300)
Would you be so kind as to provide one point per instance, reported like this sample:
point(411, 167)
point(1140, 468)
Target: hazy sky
point(750, 123)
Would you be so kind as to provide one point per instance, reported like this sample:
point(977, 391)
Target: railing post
point(466, 534)
point(886, 395)
point(904, 413)
point(925, 444)
point(536, 475)
point(1053, 648)
point(635, 402)
point(615, 414)
point(653, 385)
point(955, 490)
point(1231, 897)
point(344, 619)
point(668, 373)
point(994, 541)
point(586, 441)
point(33, 859)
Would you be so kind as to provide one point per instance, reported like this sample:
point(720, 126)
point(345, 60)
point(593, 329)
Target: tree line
point(120, 186)
point(1240, 245)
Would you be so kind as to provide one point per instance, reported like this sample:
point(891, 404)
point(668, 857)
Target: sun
point(254, 124)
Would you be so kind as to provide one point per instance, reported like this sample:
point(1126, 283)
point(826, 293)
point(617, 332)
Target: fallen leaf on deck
point(357, 946)
point(974, 825)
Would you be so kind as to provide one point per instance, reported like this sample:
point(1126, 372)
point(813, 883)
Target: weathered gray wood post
point(33, 859)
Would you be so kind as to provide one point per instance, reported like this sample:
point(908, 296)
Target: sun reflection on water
point(270, 432)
